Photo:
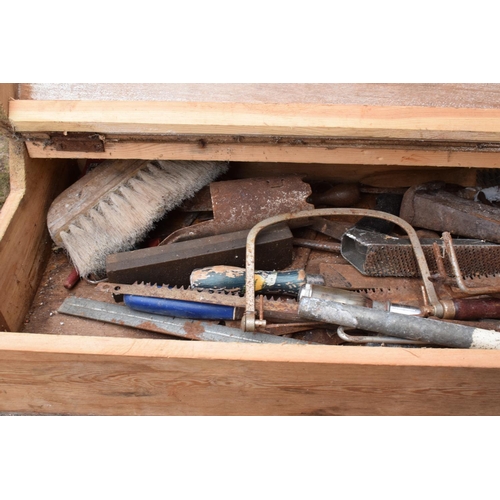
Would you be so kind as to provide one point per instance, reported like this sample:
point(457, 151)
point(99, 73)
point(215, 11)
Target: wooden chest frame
point(71, 374)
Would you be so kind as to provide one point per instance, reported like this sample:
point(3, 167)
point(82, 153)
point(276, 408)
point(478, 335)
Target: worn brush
point(114, 206)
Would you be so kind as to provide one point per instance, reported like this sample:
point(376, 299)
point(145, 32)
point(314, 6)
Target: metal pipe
point(431, 331)
point(250, 323)
point(177, 327)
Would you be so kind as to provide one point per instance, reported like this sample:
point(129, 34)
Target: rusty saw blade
point(275, 307)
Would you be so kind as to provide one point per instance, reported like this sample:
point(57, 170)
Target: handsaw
point(276, 308)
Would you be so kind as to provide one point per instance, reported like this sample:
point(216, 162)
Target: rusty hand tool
point(439, 206)
point(249, 320)
point(239, 204)
point(279, 309)
point(173, 263)
point(382, 255)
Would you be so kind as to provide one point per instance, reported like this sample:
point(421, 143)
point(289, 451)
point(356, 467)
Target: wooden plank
point(109, 376)
point(294, 119)
point(453, 95)
point(24, 239)
point(276, 153)
point(8, 91)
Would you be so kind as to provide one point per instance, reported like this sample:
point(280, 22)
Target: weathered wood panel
point(24, 239)
point(109, 376)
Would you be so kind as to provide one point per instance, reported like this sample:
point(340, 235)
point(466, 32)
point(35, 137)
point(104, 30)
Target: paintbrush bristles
point(128, 212)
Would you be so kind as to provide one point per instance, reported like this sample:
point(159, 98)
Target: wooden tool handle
point(477, 308)
point(233, 279)
point(342, 195)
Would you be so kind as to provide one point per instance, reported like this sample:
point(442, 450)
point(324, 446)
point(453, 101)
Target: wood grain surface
point(24, 239)
point(453, 95)
point(109, 376)
point(236, 118)
point(275, 153)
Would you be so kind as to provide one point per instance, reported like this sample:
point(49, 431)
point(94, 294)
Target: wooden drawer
point(335, 132)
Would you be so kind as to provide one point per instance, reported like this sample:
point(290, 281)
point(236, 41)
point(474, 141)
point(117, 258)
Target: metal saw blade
point(221, 297)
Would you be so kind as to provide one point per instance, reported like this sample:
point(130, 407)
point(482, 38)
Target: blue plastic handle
point(180, 308)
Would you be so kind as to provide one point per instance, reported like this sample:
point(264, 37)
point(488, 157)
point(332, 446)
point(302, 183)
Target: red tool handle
point(476, 308)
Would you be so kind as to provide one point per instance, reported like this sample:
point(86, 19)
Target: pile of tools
point(186, 250)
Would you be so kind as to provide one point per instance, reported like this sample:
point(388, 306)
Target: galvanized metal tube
point(249, 323)
point(427, 330)
point(177, 327)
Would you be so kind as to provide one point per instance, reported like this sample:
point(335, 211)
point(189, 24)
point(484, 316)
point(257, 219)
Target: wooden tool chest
point(54, 364)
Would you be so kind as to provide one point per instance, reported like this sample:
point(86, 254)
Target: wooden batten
point(234, 118)
point(274, 153)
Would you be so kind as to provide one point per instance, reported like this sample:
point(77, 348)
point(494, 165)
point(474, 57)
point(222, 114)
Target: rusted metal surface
point(402, 290)
point(289, 328)
point(174, 263)
point(346, 276)
point(333, 228)
point(322, 246)
point(187, 329)
point(276, 308)
point(284, 328)
point(240, 204)
point(249, 321)
point(436, 206)
point(200, 202)
point(458, 272)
